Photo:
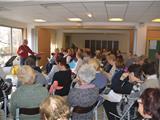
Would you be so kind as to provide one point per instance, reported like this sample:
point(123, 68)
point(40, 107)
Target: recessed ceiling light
point(116, 19)
point(75, 19)
point(156, 20)
point(39, 20)
point(89, 15)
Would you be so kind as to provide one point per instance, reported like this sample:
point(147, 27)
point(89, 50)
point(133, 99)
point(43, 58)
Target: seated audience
point(40, 78)
point(83, 97)
point(122, 83)
point(54, 69)
point(112, 61)
point(130, 59)
point(101, 80)
point(54, 108)
point(149, 104)
point(28, 95)
point(79, 62)
point(62, 78)
point(140, 60)
point(151, 79)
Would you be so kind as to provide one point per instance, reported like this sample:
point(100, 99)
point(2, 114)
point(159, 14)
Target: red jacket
point(23, 51)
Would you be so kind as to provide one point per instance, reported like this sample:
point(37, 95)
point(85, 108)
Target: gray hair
point(26, 75)
point(86, 73)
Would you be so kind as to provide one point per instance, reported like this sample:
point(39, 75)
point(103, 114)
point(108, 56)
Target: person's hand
point(133, 78)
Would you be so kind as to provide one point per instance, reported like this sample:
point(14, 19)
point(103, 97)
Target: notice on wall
point(153, 44)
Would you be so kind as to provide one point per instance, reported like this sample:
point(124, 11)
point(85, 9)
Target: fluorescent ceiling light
point(116, 19)
point(39, 20)
point(75, 19)
point(89, 15)
point(156, 20)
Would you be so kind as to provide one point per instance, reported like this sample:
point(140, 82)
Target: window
point(10, 39)
point(101, 44)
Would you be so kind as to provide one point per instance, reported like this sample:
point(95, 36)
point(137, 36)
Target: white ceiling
point(59, 11)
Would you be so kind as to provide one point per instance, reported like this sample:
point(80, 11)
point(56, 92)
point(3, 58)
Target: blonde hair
point(111, 57)
point(95, 63)
point(26, 74)
point(54, 108)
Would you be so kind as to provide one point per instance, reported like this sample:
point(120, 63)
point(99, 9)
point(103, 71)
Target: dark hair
point(149, 68)
point(30, 61)
point(136, 69)
point(59, 57)
point(151, 102)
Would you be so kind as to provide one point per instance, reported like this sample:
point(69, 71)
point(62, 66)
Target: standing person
point(23, 51)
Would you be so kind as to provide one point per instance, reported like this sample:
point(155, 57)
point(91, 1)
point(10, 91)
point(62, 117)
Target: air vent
point(116, 2)
point(50, 4)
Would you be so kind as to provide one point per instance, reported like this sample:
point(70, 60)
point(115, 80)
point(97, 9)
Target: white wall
point(12, 23)
point(123, 38)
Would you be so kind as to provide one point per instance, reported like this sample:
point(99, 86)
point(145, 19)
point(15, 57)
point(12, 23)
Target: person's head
point(140, 60)
point(30, 61)
point(149, 68)
point(130, 54)
point(56, 50)
point(26, 75)
point(119, 62)
point(95, 63)
point(158, 55)
point(111, 58)
point(62, 64)
point(79, 55)
point(135, 72)
point(54, 108)
point(69, 51)
point(86, 73)
point(149, 103)
point(25, 42)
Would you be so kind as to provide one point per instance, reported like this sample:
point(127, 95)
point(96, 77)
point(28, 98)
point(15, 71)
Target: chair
point(26, 111)
point(127, 103)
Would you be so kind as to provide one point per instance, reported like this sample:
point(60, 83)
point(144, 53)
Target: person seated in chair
point(122, 83)
point(54, 108)
point(84, 96)
point(28, 96)
point(101, 80)
point(149, 104)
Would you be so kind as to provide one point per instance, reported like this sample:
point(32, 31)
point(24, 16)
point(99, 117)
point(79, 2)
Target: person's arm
point(13, 104)
point(30, 51)
point(68, 59)
point(51, 73)
point(20, 50)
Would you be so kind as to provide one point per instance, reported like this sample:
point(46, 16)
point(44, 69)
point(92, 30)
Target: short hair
point(30, 61)
point(149, 68)
point(26, 74)
point(54, 108)
point(136, 69)
point(86, 73)
point(151, 102)
point(25, 41)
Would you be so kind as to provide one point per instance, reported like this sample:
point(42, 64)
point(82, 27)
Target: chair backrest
point(26, 111)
